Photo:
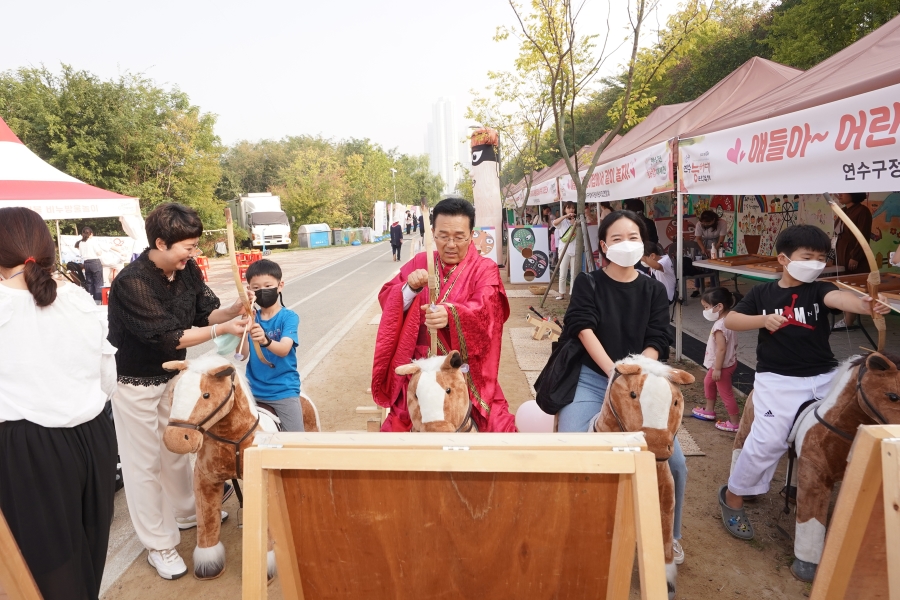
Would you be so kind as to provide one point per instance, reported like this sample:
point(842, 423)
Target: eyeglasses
point(446, 239)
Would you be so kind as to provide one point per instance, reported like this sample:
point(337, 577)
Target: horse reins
point(236, 444)
point(615, 413)
point(468, 420)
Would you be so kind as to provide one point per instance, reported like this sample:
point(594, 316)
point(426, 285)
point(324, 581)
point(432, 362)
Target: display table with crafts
point(752, 265)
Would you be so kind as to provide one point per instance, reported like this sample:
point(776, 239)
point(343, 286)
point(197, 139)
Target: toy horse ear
point(409, 369)
point(680, 377)
point(175, 365)
point(226, 372)
point(877, 362)
point(628, 369)
point(453, 360)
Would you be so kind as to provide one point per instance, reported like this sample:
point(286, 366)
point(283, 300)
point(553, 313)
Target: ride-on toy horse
point(866, 392)
point(214, 415)
point(438, 397)
point(644, 395)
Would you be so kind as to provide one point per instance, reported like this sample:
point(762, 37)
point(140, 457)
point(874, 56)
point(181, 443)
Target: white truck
point(261, 215)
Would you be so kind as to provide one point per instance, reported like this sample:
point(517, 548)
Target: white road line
point(331, 339)
point(331, 264)
point(335, 282)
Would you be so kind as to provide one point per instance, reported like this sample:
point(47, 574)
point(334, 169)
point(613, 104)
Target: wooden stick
point(239, 355)
point(858, 291)
point(433, 288)
point(236, 273)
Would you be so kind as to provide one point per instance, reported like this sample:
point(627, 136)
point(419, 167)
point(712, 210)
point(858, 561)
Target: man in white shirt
point(661, 267)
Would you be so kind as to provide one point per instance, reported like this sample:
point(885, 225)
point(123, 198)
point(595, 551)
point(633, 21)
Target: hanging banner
point(643, 173)
point(546, 192)
point(849, 145)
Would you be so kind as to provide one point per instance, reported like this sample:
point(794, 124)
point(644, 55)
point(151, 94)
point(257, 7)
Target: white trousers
point(158, 484)
point(566, 266)
point(776, 400)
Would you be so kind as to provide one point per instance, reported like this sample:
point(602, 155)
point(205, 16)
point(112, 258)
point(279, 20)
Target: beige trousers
point(158, 483)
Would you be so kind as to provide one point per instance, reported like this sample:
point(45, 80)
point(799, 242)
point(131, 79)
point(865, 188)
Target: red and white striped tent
point(26, 180)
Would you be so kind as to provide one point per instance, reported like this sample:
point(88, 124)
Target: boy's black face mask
point(267, 297)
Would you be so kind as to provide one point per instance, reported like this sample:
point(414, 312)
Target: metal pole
point(679, 268)
point(59, 241)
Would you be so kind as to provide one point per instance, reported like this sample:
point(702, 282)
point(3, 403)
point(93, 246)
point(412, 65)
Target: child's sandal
point(703, 414)
point(727, 426)
point(735, 521)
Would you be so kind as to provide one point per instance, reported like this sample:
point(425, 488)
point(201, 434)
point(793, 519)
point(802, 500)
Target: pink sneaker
point(727, 426)
point(703, 414)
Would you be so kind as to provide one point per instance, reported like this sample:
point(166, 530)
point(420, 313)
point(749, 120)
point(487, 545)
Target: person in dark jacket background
point(636, 205)
point(396, 240)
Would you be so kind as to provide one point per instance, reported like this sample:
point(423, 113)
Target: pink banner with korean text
point(642, 173)
point(849, 145)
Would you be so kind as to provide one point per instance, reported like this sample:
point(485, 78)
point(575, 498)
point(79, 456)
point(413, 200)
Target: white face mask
point(625, 254)
point(709, 315)
point(805, 270)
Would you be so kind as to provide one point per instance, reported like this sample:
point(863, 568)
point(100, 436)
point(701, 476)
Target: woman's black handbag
point(556, 384)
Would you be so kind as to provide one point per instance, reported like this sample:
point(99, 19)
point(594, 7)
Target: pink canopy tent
point(834, 129)
point(659, 115)
point(28, 181)
point(641, 163)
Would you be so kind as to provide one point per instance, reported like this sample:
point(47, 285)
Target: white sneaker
point(168, 563)
point(678, 551)
point(191, 522)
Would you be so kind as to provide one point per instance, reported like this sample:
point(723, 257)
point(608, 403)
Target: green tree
point(126, 135)
point(313, 187)
point(804, 33)
point(567, 60)
point(368, 176)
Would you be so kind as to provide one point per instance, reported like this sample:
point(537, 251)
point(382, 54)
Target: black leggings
point(395, 250)
point(56, 492)
point(93, 273)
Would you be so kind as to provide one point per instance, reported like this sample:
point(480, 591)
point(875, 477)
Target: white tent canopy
point(28, 181)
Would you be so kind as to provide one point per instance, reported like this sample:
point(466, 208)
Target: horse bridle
point(467, 421)
point(861, 395)
point(615, 413)
point(236, 444)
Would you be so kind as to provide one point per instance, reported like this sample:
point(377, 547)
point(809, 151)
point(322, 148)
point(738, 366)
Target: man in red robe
point(468, 317)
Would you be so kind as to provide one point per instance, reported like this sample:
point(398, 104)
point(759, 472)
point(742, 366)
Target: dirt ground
point(717, 565)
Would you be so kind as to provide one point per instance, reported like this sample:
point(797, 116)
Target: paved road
point(333, 288)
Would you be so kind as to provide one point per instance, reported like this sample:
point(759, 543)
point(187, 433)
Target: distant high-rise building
point(447, 144)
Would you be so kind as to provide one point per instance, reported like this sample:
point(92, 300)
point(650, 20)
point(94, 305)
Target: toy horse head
point(437, 397)
point(878, 387)
point(644, 395)
point(202, 394)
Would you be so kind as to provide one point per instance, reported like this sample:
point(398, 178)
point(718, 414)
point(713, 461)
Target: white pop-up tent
point(28, 181)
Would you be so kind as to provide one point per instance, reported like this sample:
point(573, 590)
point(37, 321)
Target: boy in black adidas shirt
point(794, 362)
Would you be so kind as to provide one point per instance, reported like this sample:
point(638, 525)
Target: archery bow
point(242, 292)
point(874, 279)
point(433, 288)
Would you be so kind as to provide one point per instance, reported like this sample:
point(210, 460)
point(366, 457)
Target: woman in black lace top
point(158, 307)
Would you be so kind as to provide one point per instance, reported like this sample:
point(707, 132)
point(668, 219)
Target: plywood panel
point(428, 535)
point(869, 579)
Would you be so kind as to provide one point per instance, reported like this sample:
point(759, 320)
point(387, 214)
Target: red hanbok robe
point(477, 308)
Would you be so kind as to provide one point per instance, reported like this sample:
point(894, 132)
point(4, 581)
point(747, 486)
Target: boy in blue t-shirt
point(276, 333)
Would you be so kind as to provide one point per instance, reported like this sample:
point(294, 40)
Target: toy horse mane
point(197, 368)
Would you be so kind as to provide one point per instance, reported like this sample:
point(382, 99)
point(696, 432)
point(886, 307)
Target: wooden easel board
point(419, 516)
point(16, 582)
point(861, 558)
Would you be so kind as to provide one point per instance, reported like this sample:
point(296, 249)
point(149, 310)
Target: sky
point(274, 68)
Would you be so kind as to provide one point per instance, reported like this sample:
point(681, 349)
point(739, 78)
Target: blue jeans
point(579, 415)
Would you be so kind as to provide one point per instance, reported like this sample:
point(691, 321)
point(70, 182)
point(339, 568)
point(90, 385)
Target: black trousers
point(395, 251)
point(93, 273)
point(56, 492)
